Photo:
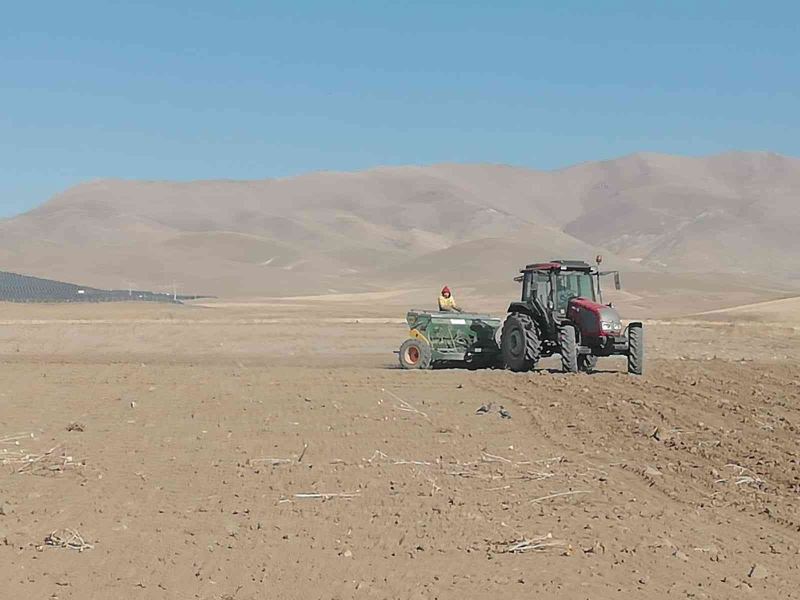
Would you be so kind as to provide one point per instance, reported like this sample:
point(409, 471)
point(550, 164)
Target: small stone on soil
point(681, 555)
point(758, 572)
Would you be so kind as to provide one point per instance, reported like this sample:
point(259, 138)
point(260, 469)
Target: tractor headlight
point(611, 326)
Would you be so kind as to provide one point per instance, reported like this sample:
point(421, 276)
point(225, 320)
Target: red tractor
point(561, 312)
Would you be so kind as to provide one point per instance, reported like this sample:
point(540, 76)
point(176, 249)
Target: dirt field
point(274, 450)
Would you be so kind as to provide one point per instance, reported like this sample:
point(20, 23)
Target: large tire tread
point(424, 350)
point(533, 343)
point(568, 345)
point(635, 350)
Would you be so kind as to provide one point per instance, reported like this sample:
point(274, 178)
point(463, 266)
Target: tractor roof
point(559, 265)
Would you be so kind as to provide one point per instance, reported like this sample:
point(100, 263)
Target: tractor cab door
point(537, 287)
point(572, 284)
point(537, 292)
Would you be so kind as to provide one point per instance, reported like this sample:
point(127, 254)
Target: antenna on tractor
point(598, 259)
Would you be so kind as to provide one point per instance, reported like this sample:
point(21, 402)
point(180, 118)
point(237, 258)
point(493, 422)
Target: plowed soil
point(236, 454)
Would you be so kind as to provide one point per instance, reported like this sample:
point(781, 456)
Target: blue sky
point(202, 89)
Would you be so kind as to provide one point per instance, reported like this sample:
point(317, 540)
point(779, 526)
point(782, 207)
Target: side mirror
point(616, 281)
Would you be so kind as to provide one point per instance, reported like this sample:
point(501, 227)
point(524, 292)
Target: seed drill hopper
point(439, 338)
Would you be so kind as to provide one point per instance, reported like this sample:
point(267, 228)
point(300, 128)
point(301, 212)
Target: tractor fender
point(521, 307)
point(627, 328)
point(533, 312)
point(517, 308)
point(633, 324)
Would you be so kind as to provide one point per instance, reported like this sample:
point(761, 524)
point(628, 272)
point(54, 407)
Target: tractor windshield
point(570, 285)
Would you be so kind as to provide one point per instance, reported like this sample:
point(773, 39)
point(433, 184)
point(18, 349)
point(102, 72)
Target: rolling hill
point(735, 213)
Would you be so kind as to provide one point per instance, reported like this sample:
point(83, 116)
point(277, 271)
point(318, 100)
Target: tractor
point(562, 312)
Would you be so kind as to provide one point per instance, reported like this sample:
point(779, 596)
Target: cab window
point(571, 285)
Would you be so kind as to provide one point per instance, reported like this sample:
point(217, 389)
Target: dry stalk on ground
point(435, 487)
point(327, 496)
point(486, 457)
point(18, 455)
point(535, 475)
point(15, 438)
point(278, 461)
point(538, 543)
point(471, 469)
point(67, 538)
point(560, 494)
point(269, 461)
point(42, 464)
point(405, 406)
point(383, 456)
point(742, 477)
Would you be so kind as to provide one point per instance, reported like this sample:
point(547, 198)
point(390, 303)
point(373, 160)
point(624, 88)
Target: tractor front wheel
point(635, 349)
point(568, 345)
point(415, 354)
point(520, 345)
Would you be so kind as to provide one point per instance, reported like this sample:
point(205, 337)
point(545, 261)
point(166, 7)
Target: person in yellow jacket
point(446, 301)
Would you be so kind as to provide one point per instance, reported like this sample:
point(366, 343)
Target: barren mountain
point(378, 229)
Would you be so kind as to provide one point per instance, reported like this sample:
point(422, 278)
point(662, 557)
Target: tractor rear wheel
point(415, 354)
point(568, 346)
point(520, 345)
point(635, 349)
point(587, 363)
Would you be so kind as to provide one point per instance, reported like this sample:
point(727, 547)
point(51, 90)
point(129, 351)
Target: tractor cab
point(554, 284)
point(550, 286)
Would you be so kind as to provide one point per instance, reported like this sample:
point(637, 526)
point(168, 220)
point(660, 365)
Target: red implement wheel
point(415, 354)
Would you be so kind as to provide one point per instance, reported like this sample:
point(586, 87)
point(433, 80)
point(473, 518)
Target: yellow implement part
point(417, 335)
